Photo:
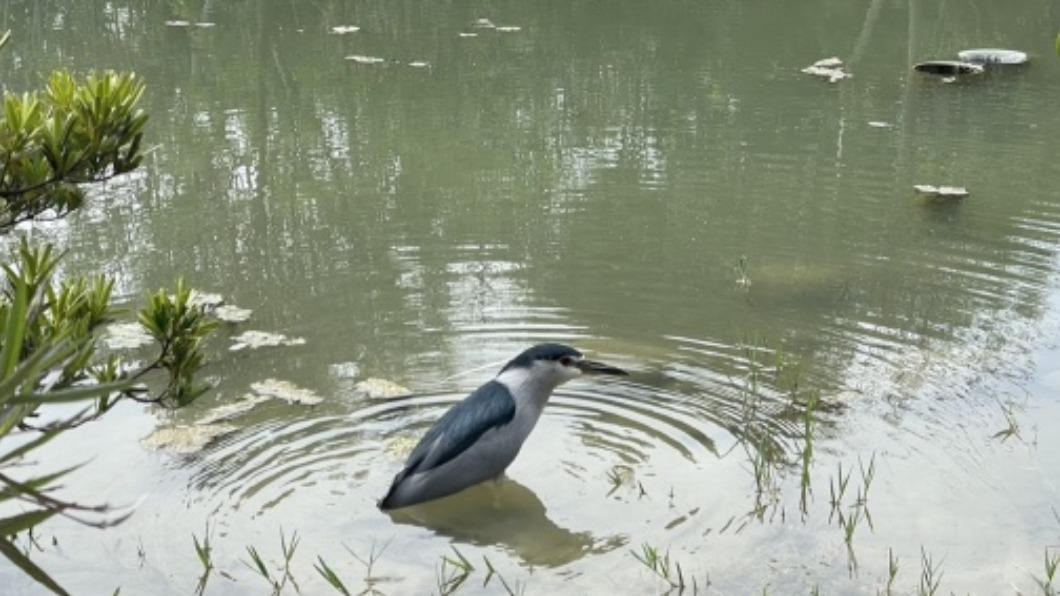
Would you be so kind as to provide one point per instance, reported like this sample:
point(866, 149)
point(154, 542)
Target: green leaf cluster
point(180, 328)
point(76, 131)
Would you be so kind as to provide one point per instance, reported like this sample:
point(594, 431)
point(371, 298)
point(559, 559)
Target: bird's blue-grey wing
point(490, 406)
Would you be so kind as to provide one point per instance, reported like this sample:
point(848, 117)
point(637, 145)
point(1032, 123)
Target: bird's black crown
point(541, 352)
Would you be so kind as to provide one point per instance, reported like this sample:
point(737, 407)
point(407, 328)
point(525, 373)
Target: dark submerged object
point(948, 68)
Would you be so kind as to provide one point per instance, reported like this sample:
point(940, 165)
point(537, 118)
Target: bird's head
point(554, 364)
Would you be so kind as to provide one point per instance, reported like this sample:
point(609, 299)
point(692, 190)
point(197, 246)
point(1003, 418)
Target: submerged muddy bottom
point(658, 185)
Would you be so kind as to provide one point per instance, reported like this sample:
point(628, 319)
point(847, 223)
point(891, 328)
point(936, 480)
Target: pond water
point(655, 183)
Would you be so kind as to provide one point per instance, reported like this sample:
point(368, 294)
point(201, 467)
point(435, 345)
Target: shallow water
point(656, 183)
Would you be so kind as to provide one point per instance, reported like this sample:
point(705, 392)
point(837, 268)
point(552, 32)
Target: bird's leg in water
point(495, 489)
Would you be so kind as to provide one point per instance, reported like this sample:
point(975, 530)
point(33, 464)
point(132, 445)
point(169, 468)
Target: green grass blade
point(72, 393)
point(24, 449)
point(29, 567)
point(14, 331)
point(10, 526)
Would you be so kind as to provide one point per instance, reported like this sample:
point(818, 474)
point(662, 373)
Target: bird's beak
point(590, 367)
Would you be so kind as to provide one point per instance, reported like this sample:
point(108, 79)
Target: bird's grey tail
point(390, 501)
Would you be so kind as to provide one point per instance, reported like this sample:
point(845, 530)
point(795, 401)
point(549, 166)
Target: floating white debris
point(178, 23)
point(834, 75)
point(993, 56)
point(186, 439)
point(231, 313)
point(401, 446)
point(263, 339)
point(345, 29)
point(833, 62)
point(233, 409)
point(205, 299)
point(359, 59)
point(622, 475)
point(419, 64)
point(484, 24)
point(344, 370)
point(509, 29)
point(466, 34)
point(205, 25)
point(946, 192)
point(880, 124)
point(375, 388)
point(948, 68)
point(287, 391)
point(126, 336)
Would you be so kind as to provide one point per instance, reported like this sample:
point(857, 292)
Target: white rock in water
point(947, 192)
point(178, 23)
point(880, 124)
point(484, 24)
point(834, 75)
point(359, 59)
point(993, 56)
point(287, 391)
point(509, 29)
point(375, 388)
point(231, 313)
point(345, 29)
point(467, 34)
point(263, 339)
point(833, 62)
point(233, 409)
point(344, 370)
point(419, 64)
point(126, 336)
point(186, 439)
point(205, 25)
point(205, 299)
point(957, 192)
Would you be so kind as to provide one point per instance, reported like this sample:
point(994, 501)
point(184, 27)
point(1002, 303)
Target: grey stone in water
point(993, 56)
point(126, 336)
point(185, 439)
point(287, 391)
point(948, 68)
point(376, 388)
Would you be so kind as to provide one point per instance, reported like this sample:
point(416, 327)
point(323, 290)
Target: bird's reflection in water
point(509, 516)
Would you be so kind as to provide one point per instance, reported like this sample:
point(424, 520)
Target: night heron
point(478, 438)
